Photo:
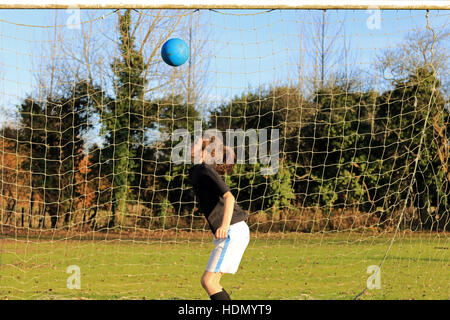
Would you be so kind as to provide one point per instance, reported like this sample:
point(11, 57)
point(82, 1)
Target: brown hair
point(225, 166)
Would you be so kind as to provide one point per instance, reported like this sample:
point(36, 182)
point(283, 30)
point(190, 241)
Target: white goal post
point(231, 4)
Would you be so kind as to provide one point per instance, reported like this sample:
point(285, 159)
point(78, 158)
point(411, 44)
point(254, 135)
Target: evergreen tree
point(404, 128)
point(51, 134)
point(125, 117)
point(335, 147)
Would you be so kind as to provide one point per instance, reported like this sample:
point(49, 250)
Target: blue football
point(175, 52)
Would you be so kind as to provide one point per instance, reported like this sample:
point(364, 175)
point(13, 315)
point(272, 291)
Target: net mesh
point(93, 204)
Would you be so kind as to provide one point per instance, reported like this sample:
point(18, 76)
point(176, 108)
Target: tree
point(163, 180)
point(51, 136)
point(281, 108)
point(193, 84)
point(128, 115)
point(13, 181)
point(421, 48)
point(406, 117)
point(125, 117)
point(326, 52)
point(257, 192)
point(335, 148)
point(98, 182)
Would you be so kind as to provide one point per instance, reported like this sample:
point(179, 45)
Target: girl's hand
point(222, 232)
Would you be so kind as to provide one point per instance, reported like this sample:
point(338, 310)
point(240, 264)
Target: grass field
point(292, 266)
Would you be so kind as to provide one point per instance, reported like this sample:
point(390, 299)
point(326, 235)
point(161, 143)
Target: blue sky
point(248, 48)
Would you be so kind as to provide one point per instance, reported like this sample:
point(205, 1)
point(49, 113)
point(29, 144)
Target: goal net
point(338, 118)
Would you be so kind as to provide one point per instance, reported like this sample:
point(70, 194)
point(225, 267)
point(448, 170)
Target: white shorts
point(228, 252)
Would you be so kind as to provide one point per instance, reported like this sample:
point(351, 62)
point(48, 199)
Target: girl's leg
point(211, 282)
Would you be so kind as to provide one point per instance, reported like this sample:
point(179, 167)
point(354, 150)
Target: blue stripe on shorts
point(222, 254)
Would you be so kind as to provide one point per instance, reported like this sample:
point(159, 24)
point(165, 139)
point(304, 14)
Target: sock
point(221, 295)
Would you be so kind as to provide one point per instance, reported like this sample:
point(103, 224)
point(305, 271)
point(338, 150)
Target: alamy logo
point(74, 280)
point(258, 147)
point(74, 20)
point(374, 280)
point(374, 19)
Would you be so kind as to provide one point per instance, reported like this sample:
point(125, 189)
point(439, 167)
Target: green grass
point(295, 266)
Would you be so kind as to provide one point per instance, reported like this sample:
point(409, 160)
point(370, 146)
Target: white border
point(230, 4)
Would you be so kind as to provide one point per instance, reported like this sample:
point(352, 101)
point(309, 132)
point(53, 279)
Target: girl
point(225, 218)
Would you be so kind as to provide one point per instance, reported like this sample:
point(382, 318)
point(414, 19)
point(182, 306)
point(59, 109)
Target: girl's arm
point(227, 215)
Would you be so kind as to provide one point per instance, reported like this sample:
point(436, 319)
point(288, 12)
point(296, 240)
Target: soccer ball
point(175, 52)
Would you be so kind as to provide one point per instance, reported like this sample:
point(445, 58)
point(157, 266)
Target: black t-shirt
point(209, 189)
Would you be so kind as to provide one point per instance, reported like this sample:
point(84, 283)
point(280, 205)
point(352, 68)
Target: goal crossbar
point(229, 4)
